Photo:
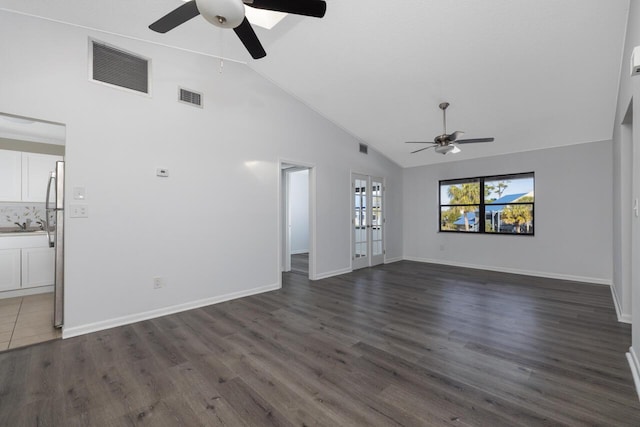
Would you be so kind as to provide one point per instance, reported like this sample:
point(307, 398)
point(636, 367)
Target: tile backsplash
point(20, 213)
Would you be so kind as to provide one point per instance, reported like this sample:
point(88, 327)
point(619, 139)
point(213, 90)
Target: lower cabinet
point(38, 265)
point(26, 268)
point(9, 269)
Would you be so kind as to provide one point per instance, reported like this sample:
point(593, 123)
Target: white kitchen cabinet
point(9, 269)
point(38, 266)
point(27, 264)
point(10, 176)
point(36, 169)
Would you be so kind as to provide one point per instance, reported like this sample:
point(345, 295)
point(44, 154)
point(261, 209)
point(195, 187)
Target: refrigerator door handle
point(47, 209)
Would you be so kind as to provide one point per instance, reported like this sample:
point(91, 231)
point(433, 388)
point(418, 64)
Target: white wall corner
point(635, 369)
point(395, 259)
point(69, 332)
point(622, 317)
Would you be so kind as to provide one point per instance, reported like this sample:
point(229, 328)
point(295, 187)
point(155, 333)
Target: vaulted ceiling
point(531, 73)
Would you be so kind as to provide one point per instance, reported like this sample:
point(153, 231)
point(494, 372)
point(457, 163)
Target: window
point(506, 203)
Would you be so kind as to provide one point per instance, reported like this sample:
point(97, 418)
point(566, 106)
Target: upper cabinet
point(24, 176)
point(10, 176)
point(36, 169)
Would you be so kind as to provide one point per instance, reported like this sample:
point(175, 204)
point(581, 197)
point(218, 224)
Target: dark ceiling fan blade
point(418, 142)
point(422, 149)
point(316, 8)
point(176, 17)
point(469, 141)
point(457, 134)
point(249, 39)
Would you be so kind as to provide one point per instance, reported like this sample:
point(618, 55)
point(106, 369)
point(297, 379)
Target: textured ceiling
point(531, 73)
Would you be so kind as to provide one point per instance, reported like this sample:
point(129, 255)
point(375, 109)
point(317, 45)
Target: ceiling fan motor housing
point(222, 13)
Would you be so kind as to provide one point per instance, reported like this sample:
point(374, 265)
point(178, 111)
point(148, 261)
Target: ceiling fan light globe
point(222, 13)
point(447, 149)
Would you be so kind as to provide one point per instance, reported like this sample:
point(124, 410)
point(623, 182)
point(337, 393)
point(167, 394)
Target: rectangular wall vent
point(119, 68)
point(364, 148)
point(190, 97)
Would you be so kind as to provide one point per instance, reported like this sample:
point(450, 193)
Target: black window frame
point(481, 216)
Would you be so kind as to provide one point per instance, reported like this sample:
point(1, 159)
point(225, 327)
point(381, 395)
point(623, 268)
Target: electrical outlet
point(158, 282)
point(79, 211)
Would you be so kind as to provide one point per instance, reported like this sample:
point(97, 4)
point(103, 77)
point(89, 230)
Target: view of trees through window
point(506, 203)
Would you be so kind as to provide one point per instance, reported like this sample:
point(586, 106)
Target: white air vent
point(364, 148)
point(119, 68)
point(190, 97)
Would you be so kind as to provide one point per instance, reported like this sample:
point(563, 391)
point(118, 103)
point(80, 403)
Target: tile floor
point(26, 320)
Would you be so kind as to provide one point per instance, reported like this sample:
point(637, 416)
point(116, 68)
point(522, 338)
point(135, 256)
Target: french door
point(368, 221)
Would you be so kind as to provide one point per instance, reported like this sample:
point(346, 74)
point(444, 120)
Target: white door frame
point(371, 260)
point(284, 240)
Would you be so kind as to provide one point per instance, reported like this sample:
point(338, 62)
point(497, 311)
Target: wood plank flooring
point(404, 344)
point(300, 263)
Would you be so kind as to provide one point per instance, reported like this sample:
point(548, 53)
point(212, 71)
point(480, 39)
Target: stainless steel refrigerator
point(54, 224)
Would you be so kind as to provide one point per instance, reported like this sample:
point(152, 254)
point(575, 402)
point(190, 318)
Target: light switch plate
point(79, 193)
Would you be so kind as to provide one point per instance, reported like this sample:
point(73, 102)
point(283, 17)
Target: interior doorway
point(297, 224)
point(368, 221)
point(30, 290)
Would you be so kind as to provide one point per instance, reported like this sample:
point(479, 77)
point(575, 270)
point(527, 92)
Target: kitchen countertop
point(13, 231)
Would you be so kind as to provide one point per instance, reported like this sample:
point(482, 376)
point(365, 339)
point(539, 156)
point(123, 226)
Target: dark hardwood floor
point(300, 263)
point(404, 344)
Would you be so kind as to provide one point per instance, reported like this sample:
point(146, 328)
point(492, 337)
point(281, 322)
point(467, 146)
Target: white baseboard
point(592, 280)
point(300, 251)
point(25, 292)
point(624, 318)
point(635, 369)
point(390, 260)
point(332, 273)
point(68, 332)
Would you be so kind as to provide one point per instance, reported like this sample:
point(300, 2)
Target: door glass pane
point(360, 218)
point(376, 218)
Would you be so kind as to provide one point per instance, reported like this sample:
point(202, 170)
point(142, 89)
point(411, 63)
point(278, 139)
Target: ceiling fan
point(447, 142)
point(230, 14)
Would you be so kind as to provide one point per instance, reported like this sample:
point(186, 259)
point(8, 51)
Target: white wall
point(299, 211)
point(572, 215)
point(194, 228)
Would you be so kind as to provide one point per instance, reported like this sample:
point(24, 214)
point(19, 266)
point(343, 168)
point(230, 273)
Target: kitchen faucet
point(24, 225)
